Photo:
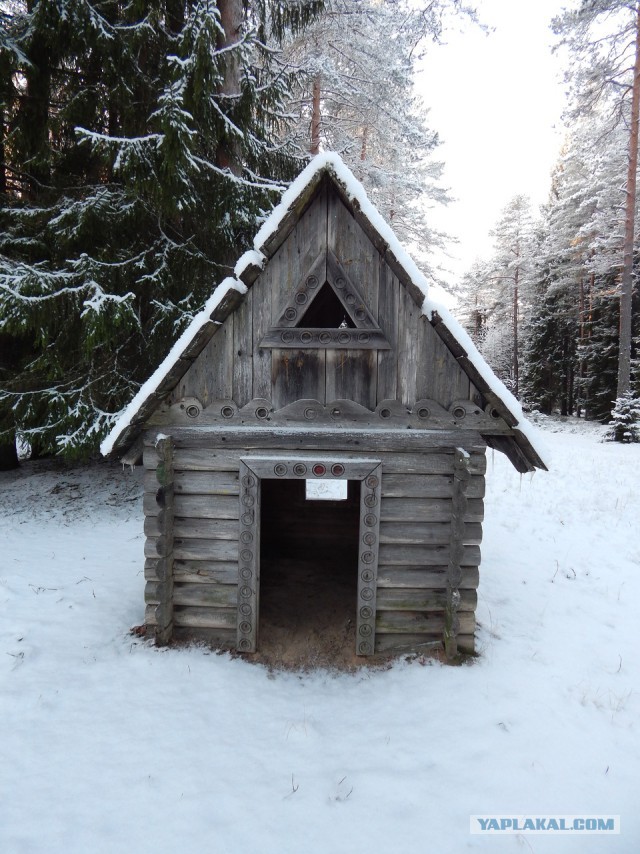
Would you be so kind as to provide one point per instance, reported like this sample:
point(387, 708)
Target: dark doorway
point(308, 575)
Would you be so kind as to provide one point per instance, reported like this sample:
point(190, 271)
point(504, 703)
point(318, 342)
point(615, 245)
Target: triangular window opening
point(326, 312)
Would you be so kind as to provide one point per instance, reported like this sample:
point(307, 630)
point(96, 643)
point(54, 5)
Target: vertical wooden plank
point(297, 254)
point(262, 321)
point(461, 476)
point(354, 250)
point(388, 297)
point(408, 337)
point(351, 375)
point(243, 351)
point(439, 375)
point(210, 377)
point(248, 560)
point(370, 493)
point(164, 543)
point(297, 375)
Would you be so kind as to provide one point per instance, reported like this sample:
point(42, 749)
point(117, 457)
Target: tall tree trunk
point(626, 284)
point(315, 115)
point(516, 359)
point(229, 155)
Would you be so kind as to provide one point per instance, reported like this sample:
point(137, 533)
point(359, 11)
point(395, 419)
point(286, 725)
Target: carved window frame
point(255, 469)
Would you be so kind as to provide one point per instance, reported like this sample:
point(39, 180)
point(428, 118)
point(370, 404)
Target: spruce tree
point(143, 142)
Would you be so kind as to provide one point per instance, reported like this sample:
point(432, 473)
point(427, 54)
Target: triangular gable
point(521, 447)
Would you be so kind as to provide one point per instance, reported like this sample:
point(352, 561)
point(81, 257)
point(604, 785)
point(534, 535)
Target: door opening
point(308, 573)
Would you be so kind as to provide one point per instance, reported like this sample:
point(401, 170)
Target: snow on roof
point(355, 192)
point(332, 163)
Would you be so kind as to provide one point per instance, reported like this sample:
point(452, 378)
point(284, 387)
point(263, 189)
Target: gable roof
point(523, 448)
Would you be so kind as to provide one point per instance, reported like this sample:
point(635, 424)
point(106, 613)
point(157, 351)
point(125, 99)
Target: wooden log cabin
point(322, 361)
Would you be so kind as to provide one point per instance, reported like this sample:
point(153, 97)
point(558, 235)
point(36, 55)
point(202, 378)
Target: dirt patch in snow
point(308, 617)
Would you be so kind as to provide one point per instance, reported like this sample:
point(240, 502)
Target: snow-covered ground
point(110, 745)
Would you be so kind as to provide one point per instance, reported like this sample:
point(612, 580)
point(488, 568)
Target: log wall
point(416, 549)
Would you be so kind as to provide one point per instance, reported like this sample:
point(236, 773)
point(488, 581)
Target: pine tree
point(355, 96)
point(137, 141)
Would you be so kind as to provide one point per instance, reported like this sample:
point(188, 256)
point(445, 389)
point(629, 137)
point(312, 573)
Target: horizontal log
point(205, 618)
point(184, 549)
point(150, 616)
point(198, 529)
point(409, 643)
point(196, 506)
point(427, 510)
point(196, 571)
point(303, 438)
point(420, 622)
point(419, 555)
point(206, 595)
point(419, 599)
point(427, 462)
point(198, 483)
point(201, 595)
point(426, 533)
point(466, 643)
point(425, 486)
point(425, 577)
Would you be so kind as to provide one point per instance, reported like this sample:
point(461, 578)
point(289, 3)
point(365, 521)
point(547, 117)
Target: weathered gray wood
point(248, 609)
point(196, 549)
point(164, 544)
point(195, 571)
point(431, 577)
point(296, 214)
point(420, 622)
point(188, 528)
point(204, 459)
point(349, 376)
point(421, 599)
point(204, 618)
point(467, 642)
point(369, 538)
point(428, 533)
point(262, 321)
point(299, 467)
point(306, 287)
point(297, 374)
point(211, 376)
point(364, 441)
point(410, 330)
point(409, 643)
point(352, 250)
point(388, 299)
point(206, 595)
point(427, 510)
point(415, 555)
point(459, 530)
point(202, 483)
point(425, 486)
point(319, 338)
point(197, 506)
point(243, 351)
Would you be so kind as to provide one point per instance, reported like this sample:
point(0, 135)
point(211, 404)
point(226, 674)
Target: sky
point(496, 99)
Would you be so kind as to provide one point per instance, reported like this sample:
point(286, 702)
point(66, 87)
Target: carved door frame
point(254, 469)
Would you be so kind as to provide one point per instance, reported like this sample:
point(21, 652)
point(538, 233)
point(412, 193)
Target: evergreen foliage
point(136, 138)
point(625, 419)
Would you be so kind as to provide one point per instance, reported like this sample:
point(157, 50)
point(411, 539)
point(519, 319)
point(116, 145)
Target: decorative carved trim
point(255, 469)
point(289, 330)
point(389, 414)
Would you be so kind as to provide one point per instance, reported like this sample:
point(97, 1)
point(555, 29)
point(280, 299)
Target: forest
point(143, 143)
